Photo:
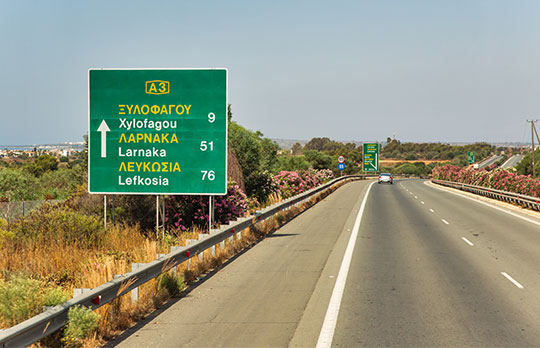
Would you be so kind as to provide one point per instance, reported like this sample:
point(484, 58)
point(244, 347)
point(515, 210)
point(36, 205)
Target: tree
point(297, 149)
point(319, 160)
point(524, 167)
point(42, 164)
point(316, 144)
point(246, 146)
point(17, 185)
point(269, 149)
point(293, 163)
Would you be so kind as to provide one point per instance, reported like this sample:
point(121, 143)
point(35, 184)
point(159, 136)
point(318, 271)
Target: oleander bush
point(290, 183)
point(185, 211)
point(261, 185)
point(499, 179)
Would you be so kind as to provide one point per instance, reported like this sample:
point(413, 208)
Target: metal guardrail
point(510, 197)
point(46, 323)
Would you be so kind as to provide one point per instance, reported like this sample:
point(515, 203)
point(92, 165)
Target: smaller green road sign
point(470, 157)
point(370, 162)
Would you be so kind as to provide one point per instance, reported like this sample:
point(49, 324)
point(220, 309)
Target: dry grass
point(393, 162)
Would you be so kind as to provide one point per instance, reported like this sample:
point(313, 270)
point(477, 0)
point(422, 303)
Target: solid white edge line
point(485, 203)
point(467, 241)
point(515, 282)
point(330, 320)
point(446, 222)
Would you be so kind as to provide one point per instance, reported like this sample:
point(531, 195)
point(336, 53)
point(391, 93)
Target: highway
point(512, 161)
point(490, 161)
point(428, 268)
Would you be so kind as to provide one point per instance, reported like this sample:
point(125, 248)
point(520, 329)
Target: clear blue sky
point(350, 70)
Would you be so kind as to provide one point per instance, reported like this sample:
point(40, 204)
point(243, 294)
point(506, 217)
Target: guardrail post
point(80, 291)
point(174, 248)
point(188, 242)
point(202, 236)
point(135, 292)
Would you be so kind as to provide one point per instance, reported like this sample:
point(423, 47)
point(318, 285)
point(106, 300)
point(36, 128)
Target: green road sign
point(157, 131)
point(470, 157)
point(370, 155)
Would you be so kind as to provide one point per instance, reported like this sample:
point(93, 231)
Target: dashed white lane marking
point(467, 241)
point(485, 203)
point(330, 320)
point(415, 197)
point(422, 202)
point(431, 210)
point(515, 282)
point(410, 193)
point(446, 222)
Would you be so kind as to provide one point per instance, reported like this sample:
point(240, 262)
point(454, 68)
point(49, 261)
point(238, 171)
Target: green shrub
point(18, 185)
point(22, 297)
point(82, 322)
point(260, 185)
point(54, 296)
point(57, 223)
point(173, 284)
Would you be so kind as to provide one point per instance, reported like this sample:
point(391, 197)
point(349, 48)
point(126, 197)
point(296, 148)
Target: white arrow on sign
point(103, 128)
point(371, 163)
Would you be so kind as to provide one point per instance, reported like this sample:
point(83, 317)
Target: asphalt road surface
point(512, 161)
point(489, 161)
point(429, 268)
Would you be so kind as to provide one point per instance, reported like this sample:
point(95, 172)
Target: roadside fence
point(13, 210)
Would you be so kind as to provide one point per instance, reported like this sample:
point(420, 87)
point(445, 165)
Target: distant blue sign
point(341, 166)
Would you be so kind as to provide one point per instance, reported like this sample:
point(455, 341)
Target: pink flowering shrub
point(186, 211)
point(293, 183)
point(315, 177)
point(290, 183)
point(499, 179)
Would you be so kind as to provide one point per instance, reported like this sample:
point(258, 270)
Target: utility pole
point(533, 131)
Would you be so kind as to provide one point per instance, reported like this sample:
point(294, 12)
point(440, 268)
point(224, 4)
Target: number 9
point(211, 117)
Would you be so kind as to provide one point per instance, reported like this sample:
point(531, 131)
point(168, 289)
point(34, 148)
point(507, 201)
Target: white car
point(386, 177)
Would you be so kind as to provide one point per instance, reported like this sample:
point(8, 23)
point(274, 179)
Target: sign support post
point(157, 216)
point(210, 212)
point(105, 211)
